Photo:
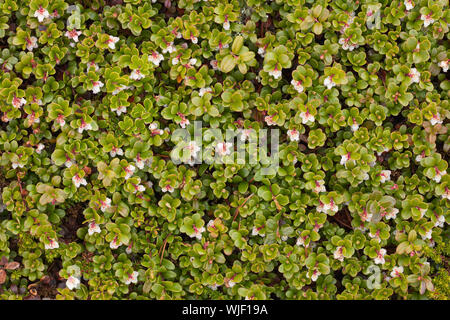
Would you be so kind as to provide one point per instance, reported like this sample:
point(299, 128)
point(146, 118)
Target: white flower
point(193, 148)
point(136, 75)
point(439, 174)
point(39, 148)
point(96, 85)
point(396, 271)
point(436, 119)
point(112, 42)
point(307, 117)
point(275, 73)
point(132, 278)
point(338, 254)
point(116, 151)
point(128, 249)
point(168, 188)
point(427, 20)
point(129, 170)
point(328, 82)
point(73, 34)
point(365, 216)
point(255, 232)
point(213, 286)
point(315, 275)
point(105, 204)
point(192, 61)
point(184, 122)
point(300, 241)
point(204, 90)
point(226, 25)
point(17, 164)
point(444, 65)
point(92, 64)
point(320, 186)
point(119, 110)
point(84, 126)
point(114, 244)
point(354, 126)
point(93, 228)
point(346, 45)
point(197, 232)
point(77, 181)
point(245, 134)
point(385, 175)
point(427, 235)
point(294, 135)
point(68, 163)
point(379, 259)
point(440, 221)
point(414, 75)
point(170, 48)
point(392, 214)
point(41, 14)
point(408, 4)
point(52, 245)
point(269, 120)
point(18, 102)
point(214, 64)
point(139, 163)
point(231, 283)
point(175, 61)
point(345, 158)
point(138, 188)
point(194, 39)
point(31, 43)
point(297, 85)
point(73, 283)
point(261, 51)
point(156, 58)
point(223, 148)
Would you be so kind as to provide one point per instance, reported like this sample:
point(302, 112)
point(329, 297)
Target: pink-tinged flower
point(245, 134)
point(354, 126)
point(396, 271)
point(154, 129)
point(344, 158)
point(84, 126)
point(214, 64)
point(112, 42)
point(392, 214)
point(320, 186)
point(184, 121)
point(440, 220)
point(294, 135)
point(414, 75)
point(379, 259)
point(194, 39)
point(300, 241)
point(116, 151)
point(140, 163)
point(436, 119)
point(52, 245)
point(73, 34)
point(96, 86)
point(408, 4)
point(155, 58)
point(427, 20)
point(132, 278)
point(18, 102)
point(129, 171)
point(176, 60)
point(338, 254)
point(365, 216)
point(328, 82)
point(444, 65)
point(68, 163)
point(197, 232)
point(167, 188)
point(41, 14)
point(119, 110)
point(214, 286)
point(136, 75)
point(39, 148)
point(269, 120)
point(202, 91)
point(129, 250)
point(77, 181)
point(375, 236)
point(316, 273)
point(104, 205)
point(256, 231)
point(93, 228)
point(170, 48)
point(223, 148)
point(138, 188)
point(347, 45)
point(92, 64)
point(193, 148)
point(275, 73)
point(226, 24)
point(60, 120)
point(73, 283)
point(307, 117)
point(297, 85)
point(31, 43)
point(439, 174)
point(330, 206)
point(262, 51)
point(385, 175)
point(115, 243)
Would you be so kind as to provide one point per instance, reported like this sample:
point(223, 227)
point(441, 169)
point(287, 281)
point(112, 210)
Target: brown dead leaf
point(2, 276)
point(12, 265)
